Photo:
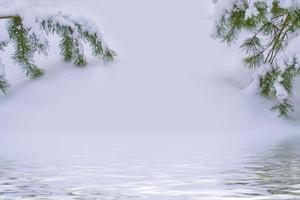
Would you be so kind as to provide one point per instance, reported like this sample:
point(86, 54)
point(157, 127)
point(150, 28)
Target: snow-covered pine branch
point(3, 83)
point(273, 45)
point(28, 29)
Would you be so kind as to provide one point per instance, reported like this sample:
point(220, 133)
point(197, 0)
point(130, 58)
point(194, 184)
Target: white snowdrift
point(171, 77)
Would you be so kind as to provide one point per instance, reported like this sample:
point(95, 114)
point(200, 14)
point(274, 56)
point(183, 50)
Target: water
point(272, 172)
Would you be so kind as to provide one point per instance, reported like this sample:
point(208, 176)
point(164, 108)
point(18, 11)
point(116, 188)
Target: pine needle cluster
point(29, 39)
point(271, 28)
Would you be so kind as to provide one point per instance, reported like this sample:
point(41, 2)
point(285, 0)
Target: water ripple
point(272, 174)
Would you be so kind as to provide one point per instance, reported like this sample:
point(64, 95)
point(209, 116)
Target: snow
point(171, 77)
point(291, 53)
point(227, 5)
point(33, 16)
point(160, 122)
point(224, 6)
point(252, 10)
point(170, 81)
point(288, 56)
point(290, 4)
point(281, 92)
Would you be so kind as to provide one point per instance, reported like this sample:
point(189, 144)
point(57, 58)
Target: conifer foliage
point(28, 32)
point(272, 46)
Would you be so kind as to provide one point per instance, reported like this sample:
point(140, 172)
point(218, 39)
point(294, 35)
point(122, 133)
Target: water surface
point(272, 172)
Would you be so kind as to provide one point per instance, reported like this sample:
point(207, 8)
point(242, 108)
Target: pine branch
point(270, 30)
point(9, 17)
point(283, 108)
point(23, 54)
point(29, 39)
point(3, 85)
point(276, 42)
point(255, 60)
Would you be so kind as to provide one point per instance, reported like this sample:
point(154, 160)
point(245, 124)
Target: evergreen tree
point(28, 33)
point(273, 45)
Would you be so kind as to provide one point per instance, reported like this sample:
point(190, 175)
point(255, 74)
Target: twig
point(9, 17)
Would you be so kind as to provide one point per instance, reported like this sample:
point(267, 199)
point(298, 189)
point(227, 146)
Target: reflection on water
point(273, 173)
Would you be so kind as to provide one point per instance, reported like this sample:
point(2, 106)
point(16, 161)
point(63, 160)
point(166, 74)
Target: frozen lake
point(253, 171)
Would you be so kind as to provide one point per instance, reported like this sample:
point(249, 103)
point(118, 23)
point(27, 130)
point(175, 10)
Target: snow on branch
point(28, 29)
point(272, 46)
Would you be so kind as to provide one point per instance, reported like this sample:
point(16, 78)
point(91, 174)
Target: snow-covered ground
point(173, 94)
point(170, 76)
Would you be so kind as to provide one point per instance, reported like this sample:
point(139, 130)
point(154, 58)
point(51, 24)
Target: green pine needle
point(72, 35)
point(3, 85)
point(283, 108)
